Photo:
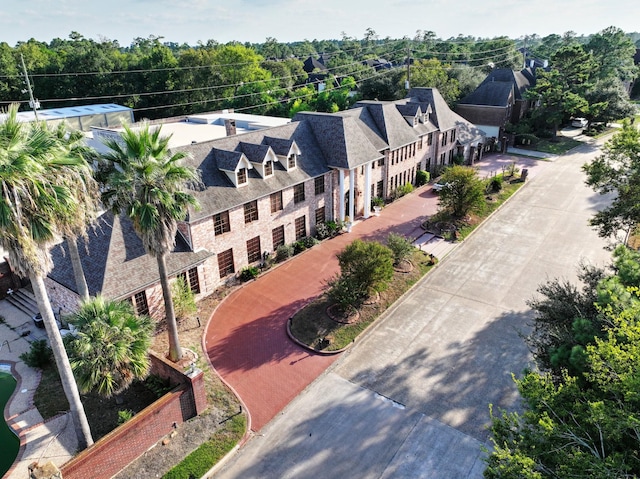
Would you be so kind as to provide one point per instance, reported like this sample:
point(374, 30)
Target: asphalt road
point(411, 399)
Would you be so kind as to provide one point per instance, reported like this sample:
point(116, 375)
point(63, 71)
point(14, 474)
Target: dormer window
point(242, 176)
point(415, 121)
point(268, 168)
point(291, 161)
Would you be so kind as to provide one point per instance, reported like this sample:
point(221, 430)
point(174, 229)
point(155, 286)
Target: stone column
point(341, 195)
point(367, 190)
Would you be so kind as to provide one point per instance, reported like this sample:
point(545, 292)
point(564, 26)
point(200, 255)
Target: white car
point(439, 186)
point(579, 122)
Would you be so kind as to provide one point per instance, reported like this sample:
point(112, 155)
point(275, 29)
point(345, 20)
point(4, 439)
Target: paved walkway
point(53, 440)
point(246, 338)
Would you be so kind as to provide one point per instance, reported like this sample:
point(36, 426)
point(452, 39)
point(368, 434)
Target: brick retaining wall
point(124, 444)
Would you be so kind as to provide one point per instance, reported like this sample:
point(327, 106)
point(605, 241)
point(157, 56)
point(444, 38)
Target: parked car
point(579, 122)
point(438, 186)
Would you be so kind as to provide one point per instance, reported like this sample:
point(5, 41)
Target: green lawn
point(556, 147)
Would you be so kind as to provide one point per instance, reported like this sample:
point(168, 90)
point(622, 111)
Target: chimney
point(230, 127)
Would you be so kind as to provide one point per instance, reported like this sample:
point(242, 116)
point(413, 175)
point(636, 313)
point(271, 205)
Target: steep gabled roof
point(114, 261)
point(521, 80)
point(342, 140)
point(228, 160)
point(493, 93)
point(389, 122)
point(254, 153)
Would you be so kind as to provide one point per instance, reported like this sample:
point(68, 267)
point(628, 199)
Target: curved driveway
point(411, 399)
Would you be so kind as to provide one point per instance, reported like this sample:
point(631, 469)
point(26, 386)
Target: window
point(430, 139)
point(191, 280)
point(242, 176)
point(268, 168)
point(381, 162)
point(225, 263)
point(453, 135)
point(291, 161)
point(221, 223)
point(298, 193)
point(443, 157)
point(320, 217)
point(319, 185)
point(277, 234)
point(420, 143)
point(444, 138)
point(276, 201)
point(254, 253)
point(301, 227)
point(380, 189)
point(251, 211)
point(140, 303)
point(373, 190)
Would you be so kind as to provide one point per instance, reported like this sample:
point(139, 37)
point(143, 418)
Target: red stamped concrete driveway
point(246, 338)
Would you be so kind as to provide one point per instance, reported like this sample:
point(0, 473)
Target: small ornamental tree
point(368, 265)
point(400, 246)
point(464, 190)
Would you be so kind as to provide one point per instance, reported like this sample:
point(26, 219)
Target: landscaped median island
point(321, 327)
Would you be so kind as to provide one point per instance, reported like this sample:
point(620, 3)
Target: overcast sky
point(291, 20)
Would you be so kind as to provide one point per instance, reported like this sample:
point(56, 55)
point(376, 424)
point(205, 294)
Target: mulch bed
point(404, 266)
point(349, 316)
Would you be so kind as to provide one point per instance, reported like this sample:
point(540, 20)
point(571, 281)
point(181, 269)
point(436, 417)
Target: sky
point(296, 20)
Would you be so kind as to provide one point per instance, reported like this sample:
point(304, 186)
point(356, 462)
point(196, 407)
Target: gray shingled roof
point(341, 138)
point(254, 153)
point(521, 80)
point(220, 194)
point(389, 122)
point(445, 118)
point(493, 93)
point(114, 261)
point(228, 160)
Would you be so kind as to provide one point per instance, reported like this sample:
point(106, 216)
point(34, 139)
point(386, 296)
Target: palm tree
point(43, 194)
point(146, 182)
point(109, 349)
point(73, 142)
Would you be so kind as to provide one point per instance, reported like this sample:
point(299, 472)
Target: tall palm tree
point(43, 194)
point(110, 347)
point(73, 142)
point(147, 182)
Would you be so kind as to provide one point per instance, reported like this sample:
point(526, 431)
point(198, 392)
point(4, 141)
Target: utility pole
point(407, 83)
point(33, 103)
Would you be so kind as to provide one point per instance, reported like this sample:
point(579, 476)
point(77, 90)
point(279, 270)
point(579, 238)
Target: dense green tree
point(463, 191)
point(617, 171)
point(44, 196)
point(432, 73)
point(613, 51)
point(148, 183)
point(608, 101)
point(109, 348)
point(368, 265)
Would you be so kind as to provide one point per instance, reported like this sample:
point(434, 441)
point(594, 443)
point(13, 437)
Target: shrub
point(494, 184)
point(400, 246)
point(184, 301)
point(157, 385)
point(458, 159)
point(124, 415)
point(377, 201)
point(249, 273)
point(39, 355)
point(284, 251)
point(400, 191)
point(299, 246)
point(368, 264)
point(345, 293)
point(310, 241)
point(422, 177)
point(322, 231)
point(526, 139)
